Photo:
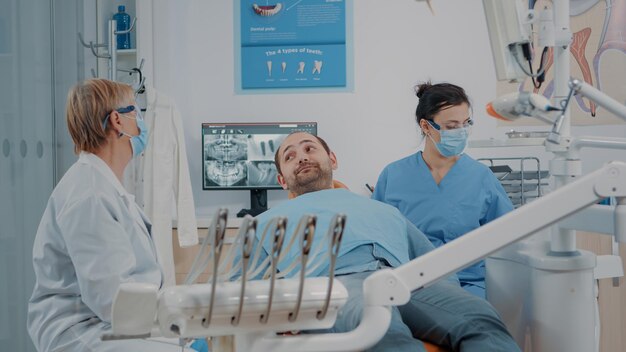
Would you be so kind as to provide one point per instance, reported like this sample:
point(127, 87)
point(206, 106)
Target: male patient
point(376, 236)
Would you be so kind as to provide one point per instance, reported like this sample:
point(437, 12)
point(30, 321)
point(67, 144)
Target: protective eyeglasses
point(124, 110)
point(468, 123)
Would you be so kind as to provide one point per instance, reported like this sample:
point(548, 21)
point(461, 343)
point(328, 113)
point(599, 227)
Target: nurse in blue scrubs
point(442, 191)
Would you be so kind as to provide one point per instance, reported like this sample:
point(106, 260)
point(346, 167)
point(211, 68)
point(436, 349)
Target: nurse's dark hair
point(434, 98)
point(277, 156)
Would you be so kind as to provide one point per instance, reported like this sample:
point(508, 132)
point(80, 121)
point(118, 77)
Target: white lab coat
point(160, 180)
point(91, 238)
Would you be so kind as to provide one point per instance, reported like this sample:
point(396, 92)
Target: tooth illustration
point(301, 67)
point(269, 68)
point(609, 58)
point(267, 10)
point(317, 67)
point(283, 65)
point(577, 48)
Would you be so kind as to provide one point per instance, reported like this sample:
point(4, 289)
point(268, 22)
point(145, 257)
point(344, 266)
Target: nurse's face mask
point(453, 139)
point(138, 142)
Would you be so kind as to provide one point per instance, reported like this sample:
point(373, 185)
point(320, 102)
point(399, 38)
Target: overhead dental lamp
point(512, 106)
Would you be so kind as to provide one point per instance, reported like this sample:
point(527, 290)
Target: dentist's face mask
point(137, 143)
point(453, 141)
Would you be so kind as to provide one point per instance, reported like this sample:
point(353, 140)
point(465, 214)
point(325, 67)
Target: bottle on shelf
point(123, 24)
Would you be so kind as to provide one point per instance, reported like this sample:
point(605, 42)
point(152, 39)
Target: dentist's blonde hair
point(88, 103)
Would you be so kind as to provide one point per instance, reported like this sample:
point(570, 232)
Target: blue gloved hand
point(200, 345)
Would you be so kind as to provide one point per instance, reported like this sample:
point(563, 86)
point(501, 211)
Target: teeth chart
point(241, 155)
point(292, 44)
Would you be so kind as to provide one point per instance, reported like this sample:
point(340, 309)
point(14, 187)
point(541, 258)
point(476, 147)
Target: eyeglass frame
point(469, 123)
point(124, 110)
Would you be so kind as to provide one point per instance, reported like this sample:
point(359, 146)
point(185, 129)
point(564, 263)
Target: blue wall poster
point(293, 44)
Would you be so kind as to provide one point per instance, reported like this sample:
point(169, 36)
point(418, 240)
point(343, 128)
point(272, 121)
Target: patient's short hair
point(277, 159)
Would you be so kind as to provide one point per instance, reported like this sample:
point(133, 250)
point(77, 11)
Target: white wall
point(396, 45)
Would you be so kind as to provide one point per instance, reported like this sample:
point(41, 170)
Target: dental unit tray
point(229, 303)
point(181, 309)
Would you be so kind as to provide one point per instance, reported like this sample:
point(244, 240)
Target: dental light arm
point(599, 98)
point(512, 106)
point(593, 94)
point(393, 286)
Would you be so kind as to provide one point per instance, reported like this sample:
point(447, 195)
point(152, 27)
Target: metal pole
point(112, 50)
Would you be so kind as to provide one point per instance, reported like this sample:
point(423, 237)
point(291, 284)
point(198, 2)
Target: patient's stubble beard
point(317, 178)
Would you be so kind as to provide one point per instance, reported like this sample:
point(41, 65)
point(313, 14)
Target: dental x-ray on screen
point(241, 155)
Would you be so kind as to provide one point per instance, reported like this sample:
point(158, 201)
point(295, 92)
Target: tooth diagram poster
point(292, 44)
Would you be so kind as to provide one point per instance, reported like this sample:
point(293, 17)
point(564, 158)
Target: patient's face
point(305, 164)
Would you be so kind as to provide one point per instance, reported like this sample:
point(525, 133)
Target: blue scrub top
point(466, 198)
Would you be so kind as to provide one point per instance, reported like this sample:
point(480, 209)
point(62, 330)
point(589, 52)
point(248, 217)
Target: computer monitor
point(240, 156)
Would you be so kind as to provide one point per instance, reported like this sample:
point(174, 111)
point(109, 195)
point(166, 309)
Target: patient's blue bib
point(368, 222)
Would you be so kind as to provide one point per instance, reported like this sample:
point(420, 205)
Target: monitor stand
point(258, 203)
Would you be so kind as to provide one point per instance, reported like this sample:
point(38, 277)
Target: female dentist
point(92, 236)
point(441, 190)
